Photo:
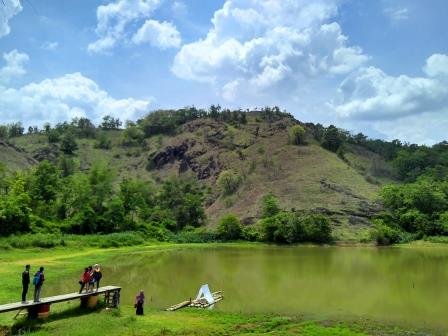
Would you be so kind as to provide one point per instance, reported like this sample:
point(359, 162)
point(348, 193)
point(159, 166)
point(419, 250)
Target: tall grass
point(48, 240)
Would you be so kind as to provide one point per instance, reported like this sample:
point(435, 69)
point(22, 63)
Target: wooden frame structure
point(111, 298)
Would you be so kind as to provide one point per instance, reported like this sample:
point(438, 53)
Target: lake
point(398, 285)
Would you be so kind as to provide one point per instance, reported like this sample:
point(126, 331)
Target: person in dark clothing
point(97, 275)
point(139, 301)
point(85, 279)
point(38, 281)
point(25, 282)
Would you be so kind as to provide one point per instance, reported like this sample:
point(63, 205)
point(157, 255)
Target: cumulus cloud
point(14, 67)
point(114, 18)
point(436, 65)
point(8, 10)
point(159, 34)
point(117, 22)
point(63, 98)
point(259, 45)
point(371, 94)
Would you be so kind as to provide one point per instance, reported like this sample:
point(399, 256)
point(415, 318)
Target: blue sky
point(380, 67)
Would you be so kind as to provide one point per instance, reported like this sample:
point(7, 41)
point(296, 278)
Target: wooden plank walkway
point(55, 299)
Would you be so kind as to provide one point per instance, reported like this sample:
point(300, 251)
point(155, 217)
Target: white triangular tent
point(204, 292)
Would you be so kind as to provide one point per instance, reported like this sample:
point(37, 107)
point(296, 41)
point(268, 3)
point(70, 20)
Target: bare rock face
point(188, 157)
point(49, 153)
point(169, 155)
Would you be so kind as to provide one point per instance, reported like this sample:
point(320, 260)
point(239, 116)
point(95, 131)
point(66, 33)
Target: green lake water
point(398, 285)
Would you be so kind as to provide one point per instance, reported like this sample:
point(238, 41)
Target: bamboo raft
point(201, 303)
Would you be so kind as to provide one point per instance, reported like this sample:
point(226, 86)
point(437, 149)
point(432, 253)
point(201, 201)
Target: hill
point(258, 152)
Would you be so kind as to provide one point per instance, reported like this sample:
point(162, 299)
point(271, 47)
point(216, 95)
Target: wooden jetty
point(201, 303)
point(111, 297)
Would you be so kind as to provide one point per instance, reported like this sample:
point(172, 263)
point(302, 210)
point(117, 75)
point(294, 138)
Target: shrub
point(297, 135)
point(103, 142)
point(290, 227)
point(251, 233)
point(229, 227)
point(68, 143)
point(317, 228)
point(269, 206)
point(384, 234)
point(198, 235)
point(228, 181)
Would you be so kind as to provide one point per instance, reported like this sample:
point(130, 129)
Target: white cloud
point(263, 44)
point(9, 8)
point(179, 8)
point(63, 98)
point(50, 45)
point(397, 13)
point(371, 94)
point(436, 65)
point(159, 34)
point(15, 62)
point(114, 18)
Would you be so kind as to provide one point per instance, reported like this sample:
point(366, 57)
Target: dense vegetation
point(49, 199)
point(61, 197)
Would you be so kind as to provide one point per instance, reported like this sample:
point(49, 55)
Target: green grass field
point(68, 319)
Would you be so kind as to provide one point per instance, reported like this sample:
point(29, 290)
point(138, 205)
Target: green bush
point(269, 206)
point(296, 135)
point(229, 228)
point(290, 227)
point(384, 234)
point(199, 235)
point(317, 228)
point(251, 233)
point(228, 182)
point(121, 239)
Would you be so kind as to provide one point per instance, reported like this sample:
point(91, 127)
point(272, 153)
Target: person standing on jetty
point(38, 281)
point(25, 282)
point(84, 280)
point(97, 275)
point(139, 301)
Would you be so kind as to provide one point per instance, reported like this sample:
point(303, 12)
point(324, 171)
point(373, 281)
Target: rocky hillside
point(258, 152)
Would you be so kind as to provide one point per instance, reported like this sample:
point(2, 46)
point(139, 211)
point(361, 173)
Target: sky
point(379, 67)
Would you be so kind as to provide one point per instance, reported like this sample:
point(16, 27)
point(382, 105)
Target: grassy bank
point(67, 319)
point(194, 322)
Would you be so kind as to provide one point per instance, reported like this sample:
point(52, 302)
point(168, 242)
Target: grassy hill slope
point(302, 177)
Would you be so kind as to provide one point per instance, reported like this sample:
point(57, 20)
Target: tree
point(184, 199)
point(47, 127)
point(332, 139)
point(68, 143)
point(14, 209)
point(228, 182)
point(44, 182)
point(111, 123)
point(214, 111)
point(229, 227)
point(15, 130)
point(85, 128)
point(269, 206)
point(297, 135)
point(3, 132)
point(53, 136)
point(133, 135)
